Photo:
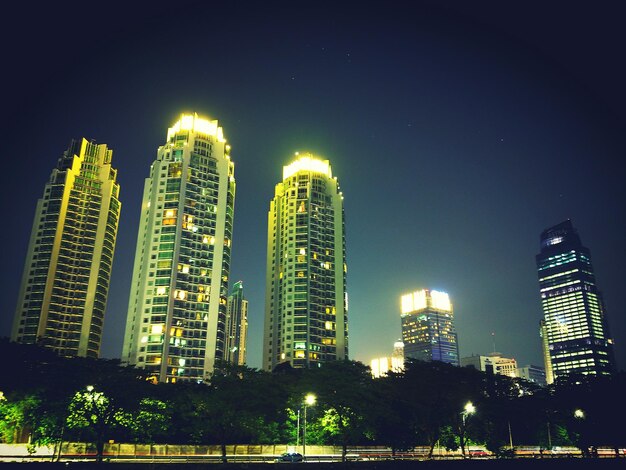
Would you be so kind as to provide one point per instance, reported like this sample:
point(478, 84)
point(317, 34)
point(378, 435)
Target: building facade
point(63, 294)
point(574, 327)
point(545, 348)
point(493, 363)
point(176, 323)
point(306, 304)
point(428, 330)
point(380, 366)
point(236, 326)
point(533, 373)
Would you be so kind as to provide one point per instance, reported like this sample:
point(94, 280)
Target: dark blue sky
point(458, 132)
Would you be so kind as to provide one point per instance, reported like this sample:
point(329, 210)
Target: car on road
point(479, 453)
point(290, 457)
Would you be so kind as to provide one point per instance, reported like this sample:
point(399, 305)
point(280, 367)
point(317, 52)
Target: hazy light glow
point(554, 240)
point(422, 299)
point(470, 408)
point(440, 300)
point(191, 122)
point(414, 301)
point(307, 163)
point(406, 303)
point(310, 399)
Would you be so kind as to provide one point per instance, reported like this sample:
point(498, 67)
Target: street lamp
point(469, 409)
point(579, 415)
point(309, 400)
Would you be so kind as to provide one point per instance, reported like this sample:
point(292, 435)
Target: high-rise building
point(177, 308)
point(306, 305)
point(236, 326)
point(65, 283)
point(428, 329)
point(574, 328)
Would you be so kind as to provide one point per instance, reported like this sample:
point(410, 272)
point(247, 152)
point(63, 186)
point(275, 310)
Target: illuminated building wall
point(533, 374)
point(545, 348)
point(493, 362)
point(306, 304)
point(428, 329)
point(236, 325)
point(398, 353)
point(382, 365)
point(66, 276)
point(574, 325)
point(177, 309)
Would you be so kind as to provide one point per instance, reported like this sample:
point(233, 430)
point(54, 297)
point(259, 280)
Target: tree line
point(46, 399)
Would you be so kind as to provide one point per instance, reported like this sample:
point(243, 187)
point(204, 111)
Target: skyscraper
point(306, 304)
point(236, 326)
point(574, 328)
point(428, 329)
point(66, 276)
point(177, 309)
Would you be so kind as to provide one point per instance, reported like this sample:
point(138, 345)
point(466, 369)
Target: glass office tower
point(428, 330)
point(574, 330)
point(306, 304)
point(65, 283)
point(177, 309)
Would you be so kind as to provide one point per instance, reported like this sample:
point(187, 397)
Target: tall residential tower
point(428, 329)
point(306, 304)
point(574, 330)
point(237, 326)
point(65, 284)
point(177, 309)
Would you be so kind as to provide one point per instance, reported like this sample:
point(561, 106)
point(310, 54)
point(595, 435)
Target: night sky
point(458, 132)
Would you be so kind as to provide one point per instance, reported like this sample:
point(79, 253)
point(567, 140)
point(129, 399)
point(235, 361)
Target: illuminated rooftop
point(307, 162)
point(423, 299)
point(192, 122)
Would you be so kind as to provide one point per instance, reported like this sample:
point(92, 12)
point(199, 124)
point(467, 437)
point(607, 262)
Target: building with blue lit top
point(574, 329)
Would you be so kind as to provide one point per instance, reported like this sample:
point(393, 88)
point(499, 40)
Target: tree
point(440, 391)
point(94, 411)
point(14, 416)
point(237, 405)
point(152, 419)
point(391, 414)
point(343, 390)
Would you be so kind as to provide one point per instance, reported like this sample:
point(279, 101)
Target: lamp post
point(579, 415)
point(469, 409)
point(298, 429)
point(309, 400)
point(549, 428)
